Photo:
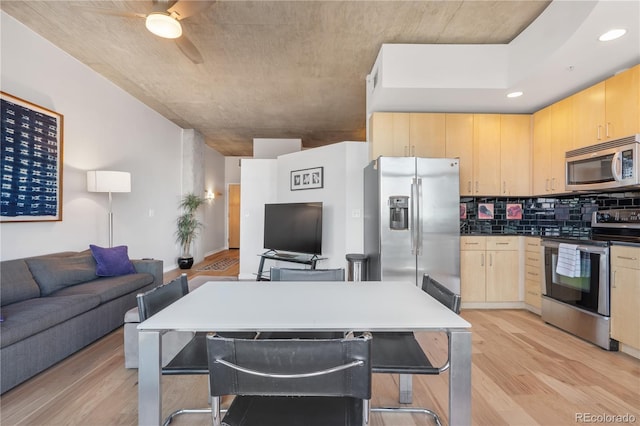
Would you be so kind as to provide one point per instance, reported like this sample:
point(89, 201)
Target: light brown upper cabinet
point(476, 139)
point(486, 154)
point(552, 136)
point(622, 104)
point(561, 136)
point(515, 146)
point(459, 144)
point(588, 116)
point(608, 110)
point(541, 152)
point(398, 134)
point(388, 134)
point(427, 135)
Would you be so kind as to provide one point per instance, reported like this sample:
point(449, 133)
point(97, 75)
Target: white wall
point(232, 169)
point(214, 211)
point(272, 148)
point(104, 129)
point(258, 188)
point(341, 195)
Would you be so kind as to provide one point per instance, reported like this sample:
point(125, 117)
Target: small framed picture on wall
point(307, 178)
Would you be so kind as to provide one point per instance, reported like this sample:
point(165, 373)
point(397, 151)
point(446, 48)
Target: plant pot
point(185, 262)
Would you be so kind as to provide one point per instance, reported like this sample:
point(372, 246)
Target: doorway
point(234, 216)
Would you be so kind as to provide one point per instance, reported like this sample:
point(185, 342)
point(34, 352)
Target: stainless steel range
point(577, 287)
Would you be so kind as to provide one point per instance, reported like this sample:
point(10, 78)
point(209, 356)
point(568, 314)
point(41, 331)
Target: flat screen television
point(293, 227)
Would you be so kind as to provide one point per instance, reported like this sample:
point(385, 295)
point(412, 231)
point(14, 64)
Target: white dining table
point(239, 306)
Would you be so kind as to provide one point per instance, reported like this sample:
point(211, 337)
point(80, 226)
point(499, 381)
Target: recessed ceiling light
point(514, 94)
point(163, 25)
point(612, 34)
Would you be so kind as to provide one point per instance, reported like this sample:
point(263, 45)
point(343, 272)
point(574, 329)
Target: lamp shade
point(108, 181)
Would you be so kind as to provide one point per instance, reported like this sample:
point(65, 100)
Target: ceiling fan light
point(163, 25)
point(514, 94)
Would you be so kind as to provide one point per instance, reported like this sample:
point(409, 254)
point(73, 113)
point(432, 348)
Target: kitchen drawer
point(626, 257)
point(533, 273)
point(502, 243)
point(473, 243)
point(532, 244)
point(533, 259)
point(532, 293)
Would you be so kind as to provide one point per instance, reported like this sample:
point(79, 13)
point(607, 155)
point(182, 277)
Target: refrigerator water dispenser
point(398, 212)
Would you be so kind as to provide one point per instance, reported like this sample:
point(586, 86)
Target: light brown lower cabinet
point(533, 272)
point(625, 295)
point(489, 269)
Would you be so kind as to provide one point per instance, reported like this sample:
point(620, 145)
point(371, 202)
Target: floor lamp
point(108, 181)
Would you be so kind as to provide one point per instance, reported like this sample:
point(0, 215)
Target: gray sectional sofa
point(54, 305)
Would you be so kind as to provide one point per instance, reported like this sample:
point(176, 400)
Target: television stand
point(303, 259)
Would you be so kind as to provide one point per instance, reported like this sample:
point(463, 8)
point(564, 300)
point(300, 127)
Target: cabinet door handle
point(477, 187)
point(532, 273)
point(490, 259)
point(598, 132)
point(504, 187)
point(546, 184)
point(469, 186)
point(502, 244)
point(553, 184)
point(482, 260)
point(606, 129)
point(627, 258)
point(471, 244)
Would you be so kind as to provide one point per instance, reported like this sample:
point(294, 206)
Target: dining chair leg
point(185, 411)
point(215, 410)
point(366, 411)
point(426, 411)
point(406, 388)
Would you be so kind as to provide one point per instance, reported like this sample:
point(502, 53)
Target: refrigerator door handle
point(412, 225)
point(419, 203)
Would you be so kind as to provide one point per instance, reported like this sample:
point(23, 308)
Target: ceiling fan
point(164, 21)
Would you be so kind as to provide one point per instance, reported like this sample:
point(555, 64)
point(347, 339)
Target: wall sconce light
point(209, 195)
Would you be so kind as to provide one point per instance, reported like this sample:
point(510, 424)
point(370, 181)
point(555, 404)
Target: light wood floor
point(524, 373)
point(232, 271)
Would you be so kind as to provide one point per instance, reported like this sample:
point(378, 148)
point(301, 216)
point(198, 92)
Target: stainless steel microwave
point(607, 165)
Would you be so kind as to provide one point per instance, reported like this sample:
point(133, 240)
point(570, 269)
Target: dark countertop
point(625, 243)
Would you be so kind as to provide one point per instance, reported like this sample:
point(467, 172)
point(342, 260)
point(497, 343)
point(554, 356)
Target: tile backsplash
point(565, 215)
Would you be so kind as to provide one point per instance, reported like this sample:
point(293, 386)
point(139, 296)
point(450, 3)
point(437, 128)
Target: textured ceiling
point(272, 69)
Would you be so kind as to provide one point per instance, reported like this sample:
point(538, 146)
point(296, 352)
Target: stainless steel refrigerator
point(412, 220)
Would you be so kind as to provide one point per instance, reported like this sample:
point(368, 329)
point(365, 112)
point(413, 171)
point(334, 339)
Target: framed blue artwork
point(30, 162)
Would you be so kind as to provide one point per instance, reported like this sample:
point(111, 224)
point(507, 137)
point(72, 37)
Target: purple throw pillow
point(112, 261)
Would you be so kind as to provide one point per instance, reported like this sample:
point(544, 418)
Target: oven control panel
point(617, 218)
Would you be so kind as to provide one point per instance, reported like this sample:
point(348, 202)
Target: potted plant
point(187, 228)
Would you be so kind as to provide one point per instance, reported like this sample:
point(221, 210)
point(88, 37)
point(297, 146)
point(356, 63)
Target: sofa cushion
point(56, 272)
point(17, 282)
point(109, 288)
point(112, 261)
point(26, 318)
